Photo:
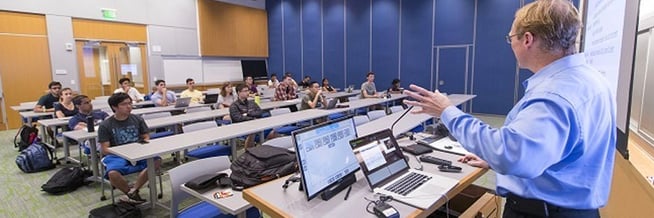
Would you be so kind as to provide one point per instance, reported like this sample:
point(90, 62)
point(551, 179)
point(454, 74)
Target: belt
point(533, 207)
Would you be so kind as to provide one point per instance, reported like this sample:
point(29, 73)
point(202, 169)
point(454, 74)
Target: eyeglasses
point(56, 87)
point(245, 90)
point(508, 37)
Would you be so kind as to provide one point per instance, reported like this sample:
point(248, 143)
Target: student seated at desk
point(249, 81)
point(46, 102)
point(126, 87)
point(243, 110)
point(313, 99)
point(196, 95)
point(158, 96)
point(273, 82)
point(368, 88)
point(123, 128)
point(395, 87)
point(225, 98)
point(326, 87)
point(286, 91)
point(85, 109)
point(65, 107)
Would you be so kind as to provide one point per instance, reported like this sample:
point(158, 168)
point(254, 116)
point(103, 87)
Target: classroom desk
point(342, 94)
point(29, 115)
point(20, 108)
point(156, 147)
point(80, 136)
point(234, 205)
point(271, 199)
point(54, 124)
point(150, 110)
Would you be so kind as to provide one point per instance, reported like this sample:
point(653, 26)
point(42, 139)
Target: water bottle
point(89, 124)
point(257, 100)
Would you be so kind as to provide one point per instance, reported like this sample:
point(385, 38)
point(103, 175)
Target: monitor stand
point(338, 187)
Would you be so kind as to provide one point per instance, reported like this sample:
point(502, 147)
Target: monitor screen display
point(255, 68)
point(325, 155)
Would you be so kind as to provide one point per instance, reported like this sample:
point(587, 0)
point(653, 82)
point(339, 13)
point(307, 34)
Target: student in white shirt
point(125, 87)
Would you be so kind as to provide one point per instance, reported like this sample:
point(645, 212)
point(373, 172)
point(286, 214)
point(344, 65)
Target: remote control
point(434, 160)
point(449, 168)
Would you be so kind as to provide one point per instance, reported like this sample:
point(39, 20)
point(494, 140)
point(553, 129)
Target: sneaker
point(132, 198)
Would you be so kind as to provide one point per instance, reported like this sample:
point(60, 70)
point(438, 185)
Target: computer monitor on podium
point(326, 160)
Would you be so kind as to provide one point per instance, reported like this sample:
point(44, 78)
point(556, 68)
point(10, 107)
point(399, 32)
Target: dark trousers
point(517, 207)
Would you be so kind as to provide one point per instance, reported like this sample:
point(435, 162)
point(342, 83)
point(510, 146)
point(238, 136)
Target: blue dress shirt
point(557, 143)
point(170, 96)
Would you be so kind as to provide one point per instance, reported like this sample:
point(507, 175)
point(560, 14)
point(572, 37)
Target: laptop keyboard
point(407, 184)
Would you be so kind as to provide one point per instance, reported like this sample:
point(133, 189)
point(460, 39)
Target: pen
point(347, 194)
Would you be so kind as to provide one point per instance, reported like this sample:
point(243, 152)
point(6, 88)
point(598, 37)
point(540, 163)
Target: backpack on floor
point(261, 164)
point(35, 158)
point(120, 209)
point(66, 180)
point(27, 136)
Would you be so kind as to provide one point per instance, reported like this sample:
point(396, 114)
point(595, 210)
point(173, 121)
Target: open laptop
point(388, 173)
point(211, 98)
point(182, 102)
point(331, 104)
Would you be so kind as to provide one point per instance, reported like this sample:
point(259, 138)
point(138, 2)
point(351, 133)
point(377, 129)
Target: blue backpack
point(35, 158)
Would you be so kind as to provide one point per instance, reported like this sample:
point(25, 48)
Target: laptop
point(211, 98)
point(388, 173)
point(182, 102)
point(331, 104)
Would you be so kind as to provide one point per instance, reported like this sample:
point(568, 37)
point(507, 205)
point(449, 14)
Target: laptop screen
point(324, 154)
point(379, 156)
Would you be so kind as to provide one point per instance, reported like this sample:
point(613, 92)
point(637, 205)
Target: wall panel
point(385, 41)
point(312, 38)
point(104, 30)
point(357, 23)
point(275, 37)
point(334, 43)
point(232, 30)
point(292, 38)
point(415, 62)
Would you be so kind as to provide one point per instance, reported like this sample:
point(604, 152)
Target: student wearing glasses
point(84, 109)
point(46, 102)
point(65, 107)
point(196, 95)
point(243, 110)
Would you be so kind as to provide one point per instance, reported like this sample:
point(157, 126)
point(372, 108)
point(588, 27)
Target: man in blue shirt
point(162, 97)
point(554, 154)
point(85, 108)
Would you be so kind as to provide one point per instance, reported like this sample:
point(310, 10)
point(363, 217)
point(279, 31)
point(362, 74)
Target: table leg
point(232, 143)
point(94, 158)
point(152, 182)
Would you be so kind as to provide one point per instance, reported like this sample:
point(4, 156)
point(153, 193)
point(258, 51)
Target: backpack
point(261, 164)
point(66, 180)
point(35, 158)
point(120, 209)
point(27, 136)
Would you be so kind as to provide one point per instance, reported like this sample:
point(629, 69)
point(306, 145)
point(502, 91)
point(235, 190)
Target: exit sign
point(108, 13)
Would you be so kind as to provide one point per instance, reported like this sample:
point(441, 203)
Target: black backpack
point(120, 209)
point(27, 136)
point(66, 180)
point(35, 158)
point(261, 164)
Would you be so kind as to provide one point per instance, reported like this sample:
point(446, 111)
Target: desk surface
point(274, 201)
point(233, 205)
point(136, 151)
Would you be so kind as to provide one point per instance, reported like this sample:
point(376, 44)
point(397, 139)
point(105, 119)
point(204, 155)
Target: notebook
point(183, 102)
point(388, 173)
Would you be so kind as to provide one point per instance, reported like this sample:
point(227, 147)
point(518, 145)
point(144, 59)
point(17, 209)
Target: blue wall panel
point(292, 46)
point(495, 65)
point(334, 42)
point(385, 41)
point(451, 69)
point(311, 39)
point(275, 50)
point(357, 41)
point(454, 23)
point(415, 58)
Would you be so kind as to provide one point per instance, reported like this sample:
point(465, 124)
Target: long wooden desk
point(135, 151)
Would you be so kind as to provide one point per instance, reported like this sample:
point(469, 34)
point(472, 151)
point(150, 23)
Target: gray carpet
point(22, 195)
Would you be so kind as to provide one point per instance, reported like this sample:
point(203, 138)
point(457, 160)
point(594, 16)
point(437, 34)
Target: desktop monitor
point(257, 69)
point(326, 160)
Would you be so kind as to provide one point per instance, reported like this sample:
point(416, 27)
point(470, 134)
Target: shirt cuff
point(449, 114)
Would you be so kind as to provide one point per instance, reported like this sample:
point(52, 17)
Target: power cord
point(290, 181)
point(419, 162)
point(380, 208)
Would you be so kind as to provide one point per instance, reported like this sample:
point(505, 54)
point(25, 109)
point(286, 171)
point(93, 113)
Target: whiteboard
point(176, 71)
point(216, 71)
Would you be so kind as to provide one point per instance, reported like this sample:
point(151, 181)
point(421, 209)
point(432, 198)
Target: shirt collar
point(553, 68)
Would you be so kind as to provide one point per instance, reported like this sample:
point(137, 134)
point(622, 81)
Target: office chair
point(376, 114)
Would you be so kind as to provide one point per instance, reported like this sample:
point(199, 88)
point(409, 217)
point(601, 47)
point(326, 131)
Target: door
point(102, 64)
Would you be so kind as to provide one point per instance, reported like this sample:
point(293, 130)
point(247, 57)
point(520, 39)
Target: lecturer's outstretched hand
point(432, 103)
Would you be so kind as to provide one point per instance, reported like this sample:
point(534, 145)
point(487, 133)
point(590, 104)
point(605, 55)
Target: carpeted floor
point(22, 195)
